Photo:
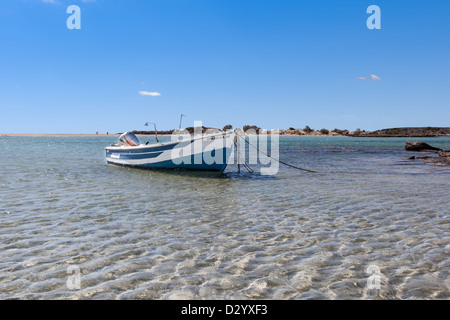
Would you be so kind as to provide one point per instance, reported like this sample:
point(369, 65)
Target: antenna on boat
point(179, 127)
point(156, 132)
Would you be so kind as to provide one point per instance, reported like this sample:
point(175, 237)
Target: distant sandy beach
point(67, 135)
point(56, 134)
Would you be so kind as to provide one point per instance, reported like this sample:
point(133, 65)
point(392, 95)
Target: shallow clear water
point(140, 234)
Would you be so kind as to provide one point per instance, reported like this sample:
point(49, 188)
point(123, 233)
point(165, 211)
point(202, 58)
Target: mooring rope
point(286, 164)
point(246, 166)
point(239, 158)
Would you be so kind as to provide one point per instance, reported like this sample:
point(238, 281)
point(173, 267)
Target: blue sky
point(275, 64)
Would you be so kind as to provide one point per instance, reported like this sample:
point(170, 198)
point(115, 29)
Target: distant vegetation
point(341, 132)
point(392, 132)
point(307, 130)
point(248, 127)
point(408, 132)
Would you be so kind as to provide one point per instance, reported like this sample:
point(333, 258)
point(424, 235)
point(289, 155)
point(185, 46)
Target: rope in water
point(246, 166)
point(239, 158)
point(282, 162)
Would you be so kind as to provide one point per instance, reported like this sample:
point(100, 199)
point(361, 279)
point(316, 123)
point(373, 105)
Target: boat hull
point(204, 153)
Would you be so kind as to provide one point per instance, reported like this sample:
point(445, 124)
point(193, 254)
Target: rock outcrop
point(444, 154)
point(419, 146)
point(443, 159)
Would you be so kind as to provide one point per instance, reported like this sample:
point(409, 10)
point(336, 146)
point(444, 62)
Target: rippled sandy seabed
point(136, 234)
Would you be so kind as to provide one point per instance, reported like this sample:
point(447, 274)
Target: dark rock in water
point(419, 146)
point(426, 157)
point(444, 153)
point(443, 159)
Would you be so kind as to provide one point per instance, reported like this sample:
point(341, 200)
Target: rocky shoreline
point(443, 157)
point(307, 131)
point(417, 132)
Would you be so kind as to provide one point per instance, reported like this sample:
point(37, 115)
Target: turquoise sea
point(370, 224)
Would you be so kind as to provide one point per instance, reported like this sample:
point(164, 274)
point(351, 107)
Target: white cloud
point(146, 93)
point(372, 77)
point(58, 2)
